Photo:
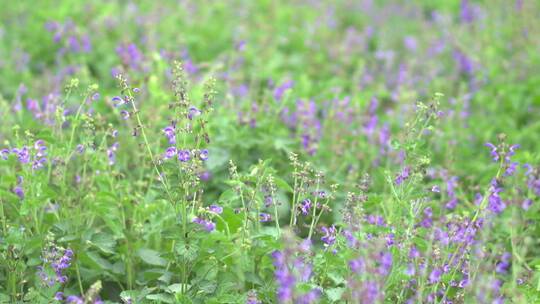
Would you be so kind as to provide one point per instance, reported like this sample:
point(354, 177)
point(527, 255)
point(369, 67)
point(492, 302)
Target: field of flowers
point(270, 151)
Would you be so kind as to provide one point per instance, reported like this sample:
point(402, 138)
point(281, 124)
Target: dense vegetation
point(305, 151)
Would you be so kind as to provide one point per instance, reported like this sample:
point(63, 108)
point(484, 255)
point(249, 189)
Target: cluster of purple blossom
point(183, 155)
point(292, 268)
point(205, 223)
point(306, 122)
point(37, 156)
point(68, 35)
point(58, 260)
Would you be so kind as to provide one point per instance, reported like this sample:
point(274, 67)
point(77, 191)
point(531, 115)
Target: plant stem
point(314, 210)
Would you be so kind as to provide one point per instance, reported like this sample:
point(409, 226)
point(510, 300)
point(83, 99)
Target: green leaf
point(151, 257)
point(161, 298)
point(335, 294)
point(104, 242)
point(283, 184)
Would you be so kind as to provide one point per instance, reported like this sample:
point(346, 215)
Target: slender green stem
point(228, 232)
point(161, 177)
point(3, 217)
point(81, 290)
point(293, 205)
point(313, 216)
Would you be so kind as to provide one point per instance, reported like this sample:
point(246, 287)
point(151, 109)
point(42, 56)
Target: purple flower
point(4, 153)
point(410, 43)
point(285, 279)
point(410, 270)
point(435, 276)
point(170, 133)
point(452, 203)
point(193, 112)
point(503, 266)
point(495, 202)
point(404, 175)
point(511, 151)
point(305, 206)
point(203, 154)
point(385, 263)
point(118, 101)
point(216, 209)
point(390, 239)
point(252, 297)
point(22, 154)
point(465, 64)
point(111, 153)
point(467, 12)
point(329, 237)
point(310, 297)
point(526, 204)
point(59, 296)
point(493, 151)
point(130, 56)
point(265, 217)
point(358, 265)
point(511, 169)
point(80, 148)
point(74, 300)
point(184, 155)
point(205, 176)
point(170, 152)
point(18, 190)
point(124, 114)
point(351, 240)
point(414, 253)
point(206, 224)
point(58, 263)
point(280, 90)
point(39, 163)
